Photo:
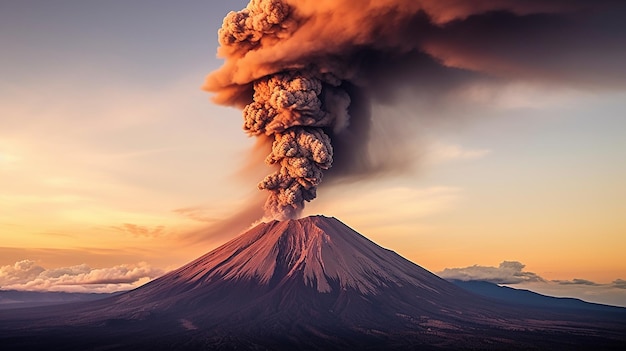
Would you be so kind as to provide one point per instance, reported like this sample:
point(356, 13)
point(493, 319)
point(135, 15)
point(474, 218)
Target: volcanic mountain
point(311, 283)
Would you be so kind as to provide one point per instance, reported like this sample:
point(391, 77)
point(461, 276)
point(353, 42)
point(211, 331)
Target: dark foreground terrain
point(307, 284)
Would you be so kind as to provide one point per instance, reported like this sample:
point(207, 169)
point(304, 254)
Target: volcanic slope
point(311, 283)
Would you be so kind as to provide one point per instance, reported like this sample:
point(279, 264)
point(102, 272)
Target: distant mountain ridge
point(10, 299)
point(529, 298)
point(314, 284)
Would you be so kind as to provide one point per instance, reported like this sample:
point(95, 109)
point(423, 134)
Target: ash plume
point(307, 72)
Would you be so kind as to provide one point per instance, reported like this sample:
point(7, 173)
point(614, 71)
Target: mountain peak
point(322, 252)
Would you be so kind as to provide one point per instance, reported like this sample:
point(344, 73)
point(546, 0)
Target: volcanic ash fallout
point(306, 72)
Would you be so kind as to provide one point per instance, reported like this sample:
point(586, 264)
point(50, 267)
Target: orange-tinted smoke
point(365, 52)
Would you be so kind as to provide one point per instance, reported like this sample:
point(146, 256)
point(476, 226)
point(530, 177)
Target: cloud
point(25, 200)
point(140, 230)
point(21, 271)
point(440, 152)
point(508, 272)
point(197, 213)
point(619, 283)
point(27, 275)
point(226, 226)
point(8, 161)
point(577, 282)
point(55, 234)
point(610, 293)
point(573, 41)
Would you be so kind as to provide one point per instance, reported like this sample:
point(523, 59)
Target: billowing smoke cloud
point(307, 72)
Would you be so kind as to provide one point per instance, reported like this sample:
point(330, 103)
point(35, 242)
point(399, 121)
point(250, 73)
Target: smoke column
point(306, 72)
point(294, 106)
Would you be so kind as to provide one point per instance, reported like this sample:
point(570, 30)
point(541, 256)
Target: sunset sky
point(115, 166)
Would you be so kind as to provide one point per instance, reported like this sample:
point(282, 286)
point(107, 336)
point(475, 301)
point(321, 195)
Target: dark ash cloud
point(307, 73)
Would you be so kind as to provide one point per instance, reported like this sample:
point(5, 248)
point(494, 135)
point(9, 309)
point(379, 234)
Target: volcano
point(311, 283)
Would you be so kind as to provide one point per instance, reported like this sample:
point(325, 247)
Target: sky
point(115, 166)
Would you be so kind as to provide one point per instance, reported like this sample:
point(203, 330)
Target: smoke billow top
point(305, 72)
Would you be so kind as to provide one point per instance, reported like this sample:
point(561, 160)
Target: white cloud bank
point(508, 272)
point(27, 275)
